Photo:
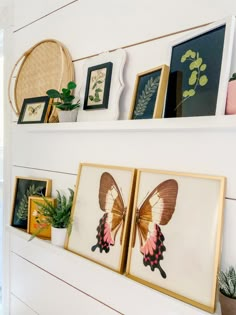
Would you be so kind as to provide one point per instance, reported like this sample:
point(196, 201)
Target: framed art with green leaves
point(98, 86)
point(34, 110)
point(24, 188)
point(199, 71)
point(149, 93)
point(101, 88)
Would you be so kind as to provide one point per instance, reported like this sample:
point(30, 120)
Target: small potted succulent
point(57, 216)
point(227, 288)
point(230, 108)
point(68, 109)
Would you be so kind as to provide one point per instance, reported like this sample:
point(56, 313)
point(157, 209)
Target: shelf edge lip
point(159, 124)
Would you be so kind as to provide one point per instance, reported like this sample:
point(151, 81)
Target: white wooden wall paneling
point(47, 294)
point(104, 285)
point(177, 150)
point(26, 12)
point(88, 30)
point(17, 307)
point(103, 25)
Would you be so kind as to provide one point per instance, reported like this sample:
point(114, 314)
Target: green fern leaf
point(145, 96)
point(22, 212)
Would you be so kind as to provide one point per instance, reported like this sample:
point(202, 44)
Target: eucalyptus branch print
point(22, 212)
point(196, 78)
point(145, 96)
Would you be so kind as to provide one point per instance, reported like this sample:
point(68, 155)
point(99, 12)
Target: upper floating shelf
point(167, 124)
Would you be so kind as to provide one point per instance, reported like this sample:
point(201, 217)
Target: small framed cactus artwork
point(200, 71)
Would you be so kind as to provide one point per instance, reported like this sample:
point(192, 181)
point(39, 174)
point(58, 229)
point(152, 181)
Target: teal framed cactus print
point(149, 93)
point(199, 71)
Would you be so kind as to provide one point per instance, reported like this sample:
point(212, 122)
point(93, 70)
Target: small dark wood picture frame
point(34, 110)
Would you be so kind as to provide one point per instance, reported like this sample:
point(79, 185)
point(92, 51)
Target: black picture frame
point(149, 93)
point(98, 84)
point(34, 110)
point(199, 71)
point(23, 186)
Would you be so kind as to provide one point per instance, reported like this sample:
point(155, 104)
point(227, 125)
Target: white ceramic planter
point(68, 115)
point(58, 236)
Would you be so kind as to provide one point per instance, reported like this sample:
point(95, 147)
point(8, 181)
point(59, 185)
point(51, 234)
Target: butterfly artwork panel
point(34, 110)
point(101, 214)
point(149, 93)
point(175, 236)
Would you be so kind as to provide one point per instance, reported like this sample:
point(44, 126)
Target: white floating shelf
point(198, 123)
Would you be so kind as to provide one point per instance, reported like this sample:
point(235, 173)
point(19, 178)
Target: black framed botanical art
point(24, 188)
point(98, 86)
point(199, 71)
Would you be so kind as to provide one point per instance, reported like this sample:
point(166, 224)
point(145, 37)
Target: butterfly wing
point(157, 208)
point(111, 202)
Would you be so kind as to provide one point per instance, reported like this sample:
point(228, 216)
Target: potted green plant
point(68, 109)
point(227, 288)
point(58, 216)
point(230, 108)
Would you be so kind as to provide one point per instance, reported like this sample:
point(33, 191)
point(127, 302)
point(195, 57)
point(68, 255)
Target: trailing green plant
point(227, 282)
point(22, 212)
point(233, 77)
point(65, 96)
point(58, 215)
point(145, 96)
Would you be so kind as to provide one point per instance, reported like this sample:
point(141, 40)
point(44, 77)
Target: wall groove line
point(44, 170)
point(24, 303)
point(46, 15)
point(147, 41)
point(69, 284)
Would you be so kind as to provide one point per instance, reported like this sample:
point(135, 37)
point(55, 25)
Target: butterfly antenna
point(143, 200)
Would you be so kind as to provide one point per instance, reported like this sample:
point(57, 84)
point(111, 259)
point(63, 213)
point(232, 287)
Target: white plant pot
point(58, 236)
point(68, 115)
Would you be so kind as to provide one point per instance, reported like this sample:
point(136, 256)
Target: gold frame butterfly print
point(175, 234)
point(101, 214)
point(111, 202)
point(157, 209)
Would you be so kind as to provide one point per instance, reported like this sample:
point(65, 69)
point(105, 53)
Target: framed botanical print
point(149, 93)
point(199, 71)
point(98, 86)
point(176, 234)
point(101, 214)
point(34, 110)
point(24, 188)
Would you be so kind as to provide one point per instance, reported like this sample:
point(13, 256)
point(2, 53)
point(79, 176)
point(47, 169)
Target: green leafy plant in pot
point(58, 216)
point(68, 109)
point(227, 288)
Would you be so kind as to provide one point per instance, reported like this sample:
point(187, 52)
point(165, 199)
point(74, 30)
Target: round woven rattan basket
point(46, 65)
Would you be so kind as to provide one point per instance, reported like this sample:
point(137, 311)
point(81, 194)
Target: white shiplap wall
point(35, 270)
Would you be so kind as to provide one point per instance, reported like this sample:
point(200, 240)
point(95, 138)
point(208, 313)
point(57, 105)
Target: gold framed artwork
point(37, 224)
point(24, 188)
point(176, 233)
point(149, 93)
point(101, 214)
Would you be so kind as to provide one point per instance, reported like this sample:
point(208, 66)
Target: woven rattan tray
point(44, 66)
